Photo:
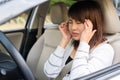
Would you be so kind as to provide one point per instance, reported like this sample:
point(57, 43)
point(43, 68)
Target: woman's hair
point(88, 9)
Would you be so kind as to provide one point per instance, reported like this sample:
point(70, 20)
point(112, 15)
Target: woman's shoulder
point(104, 52)
point(104, 47)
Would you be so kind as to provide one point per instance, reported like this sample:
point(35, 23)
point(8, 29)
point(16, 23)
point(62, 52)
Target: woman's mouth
point(74, 34)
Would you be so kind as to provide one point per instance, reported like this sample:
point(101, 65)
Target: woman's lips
point(74, 34)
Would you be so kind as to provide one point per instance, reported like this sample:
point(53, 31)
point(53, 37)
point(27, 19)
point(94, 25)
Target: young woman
point(89, 50)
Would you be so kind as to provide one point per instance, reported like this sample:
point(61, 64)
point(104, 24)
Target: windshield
point(12, 8)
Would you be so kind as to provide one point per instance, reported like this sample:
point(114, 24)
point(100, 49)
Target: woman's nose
point(74, 27)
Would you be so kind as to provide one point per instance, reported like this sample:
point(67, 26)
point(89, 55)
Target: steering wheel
point(16, 56)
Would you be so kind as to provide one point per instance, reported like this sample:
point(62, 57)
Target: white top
point(84, 62)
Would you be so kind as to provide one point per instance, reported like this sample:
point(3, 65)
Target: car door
point(20, 23)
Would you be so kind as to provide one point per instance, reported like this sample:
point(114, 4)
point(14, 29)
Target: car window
point(117, 6)
point(12, 8)
point(67, 2)
point(16, 23)
point(116, 77)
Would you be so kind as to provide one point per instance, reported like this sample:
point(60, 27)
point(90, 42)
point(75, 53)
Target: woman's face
point(75, 28)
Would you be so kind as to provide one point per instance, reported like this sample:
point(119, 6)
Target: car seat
point(47, 43)
point(112, 27)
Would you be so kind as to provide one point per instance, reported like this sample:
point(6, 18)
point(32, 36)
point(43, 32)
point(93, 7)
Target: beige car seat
point(112, 27)
point(48, 42)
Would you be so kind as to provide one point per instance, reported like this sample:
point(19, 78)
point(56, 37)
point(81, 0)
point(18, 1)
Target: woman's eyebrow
point(78, 21)
point(69, 20)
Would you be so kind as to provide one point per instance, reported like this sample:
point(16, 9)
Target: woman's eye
point(69, 22)
point(78, 22)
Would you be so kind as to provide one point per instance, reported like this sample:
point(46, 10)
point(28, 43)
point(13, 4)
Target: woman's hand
point(88, 32)
point(65, 33)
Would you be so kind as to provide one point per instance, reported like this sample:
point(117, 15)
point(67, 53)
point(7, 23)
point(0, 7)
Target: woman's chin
point(76, 38)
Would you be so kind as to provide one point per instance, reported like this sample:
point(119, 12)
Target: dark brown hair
point(89, 9)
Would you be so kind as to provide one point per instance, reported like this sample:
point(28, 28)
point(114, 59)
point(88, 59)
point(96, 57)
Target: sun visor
point(12, 8)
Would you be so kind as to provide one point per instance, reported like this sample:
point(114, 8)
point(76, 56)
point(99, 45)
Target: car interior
point(47, 43)
point(52, 32)
point(49, 39)
point(112, 29)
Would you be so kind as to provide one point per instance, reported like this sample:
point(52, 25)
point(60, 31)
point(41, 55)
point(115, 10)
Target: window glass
point(15, 23)
point(117, 6)
point(67, 2)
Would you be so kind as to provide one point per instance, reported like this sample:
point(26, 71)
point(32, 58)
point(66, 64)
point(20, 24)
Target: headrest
point(58, 12)
point(112, 22)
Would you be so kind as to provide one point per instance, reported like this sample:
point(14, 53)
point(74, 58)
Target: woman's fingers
point(88, 32)
point(89, 24)
point(86, 26)
point(64, 29)
point(93, 32)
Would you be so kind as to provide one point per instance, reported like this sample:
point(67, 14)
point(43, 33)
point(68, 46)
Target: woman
point(89, 50)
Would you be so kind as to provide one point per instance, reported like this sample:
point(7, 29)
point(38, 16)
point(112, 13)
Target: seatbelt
point(65, 70)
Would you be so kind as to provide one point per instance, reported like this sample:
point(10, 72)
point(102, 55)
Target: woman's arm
point(54, 64)
point(85, 63)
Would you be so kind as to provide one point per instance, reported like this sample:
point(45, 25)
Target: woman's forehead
point(72, 19)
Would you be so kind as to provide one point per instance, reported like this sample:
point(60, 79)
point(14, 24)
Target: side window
point(16, 23)
point(68, 3)
point(48, 19)
point(117, 6)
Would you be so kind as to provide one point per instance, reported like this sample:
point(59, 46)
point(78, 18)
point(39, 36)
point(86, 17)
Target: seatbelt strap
point(65, 70)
